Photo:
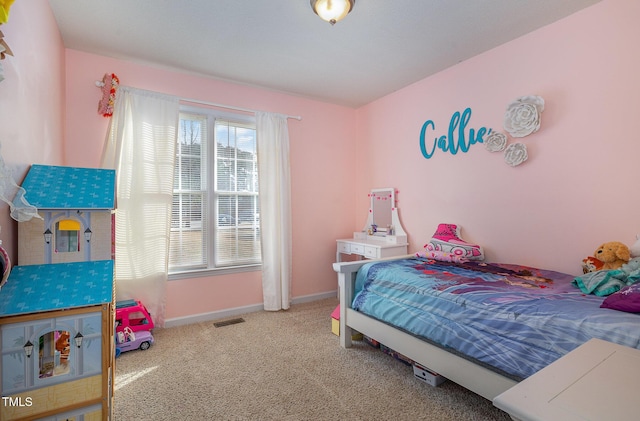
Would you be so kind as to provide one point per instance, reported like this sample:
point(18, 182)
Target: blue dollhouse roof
point(56, 187)
point(36, 288)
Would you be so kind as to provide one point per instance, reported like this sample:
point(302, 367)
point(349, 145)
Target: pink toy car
point(134, 315)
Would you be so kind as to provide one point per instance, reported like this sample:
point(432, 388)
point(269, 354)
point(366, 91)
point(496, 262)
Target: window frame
point(210, 215)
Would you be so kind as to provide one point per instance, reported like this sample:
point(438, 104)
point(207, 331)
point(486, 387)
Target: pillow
point(442, 256)
point(627, 299)
point(447, 239)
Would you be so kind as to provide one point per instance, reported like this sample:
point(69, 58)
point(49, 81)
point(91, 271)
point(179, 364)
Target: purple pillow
point(627, 299)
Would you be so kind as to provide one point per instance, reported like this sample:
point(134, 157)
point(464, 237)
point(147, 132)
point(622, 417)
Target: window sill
point(203, 273)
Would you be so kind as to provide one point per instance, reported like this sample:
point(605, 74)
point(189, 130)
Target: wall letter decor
point(458, 138)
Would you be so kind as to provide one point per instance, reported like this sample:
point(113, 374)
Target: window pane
point(187, 249)
point(248, 210)
point(247, 176)
point(238, 236)
point(187, 210)
point(188, 246)
point(230, 232)
point(191, 134)
point(238, 245)
point(226, 172)
point(225, 140)
point(226, 211)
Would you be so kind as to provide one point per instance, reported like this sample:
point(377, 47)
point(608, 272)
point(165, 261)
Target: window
point(215, 220)
point(67, 235)
point(53, 354)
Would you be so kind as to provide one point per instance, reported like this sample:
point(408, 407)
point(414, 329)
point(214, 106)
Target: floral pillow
point(627, 299)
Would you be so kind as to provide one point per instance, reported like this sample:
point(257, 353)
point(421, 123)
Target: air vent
point(229, 322)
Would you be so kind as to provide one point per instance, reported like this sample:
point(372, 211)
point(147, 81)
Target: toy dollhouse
point(75, 205)
point(57, 307)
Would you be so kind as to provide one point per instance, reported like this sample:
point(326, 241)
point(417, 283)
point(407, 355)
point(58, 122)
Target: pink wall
point(573, 193)
point(576, 190)
point(322, 153)
point(31, 99)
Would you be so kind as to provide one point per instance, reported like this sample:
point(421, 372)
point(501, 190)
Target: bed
point(484, 326)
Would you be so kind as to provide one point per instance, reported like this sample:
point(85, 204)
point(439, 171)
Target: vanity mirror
point(383, 217)
point(382, 203)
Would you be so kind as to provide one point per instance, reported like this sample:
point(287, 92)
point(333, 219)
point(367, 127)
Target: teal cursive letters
point(456, 138)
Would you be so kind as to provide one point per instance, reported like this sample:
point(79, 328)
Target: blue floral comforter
point(514, 319)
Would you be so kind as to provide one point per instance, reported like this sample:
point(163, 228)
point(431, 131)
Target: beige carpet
point(279, 366)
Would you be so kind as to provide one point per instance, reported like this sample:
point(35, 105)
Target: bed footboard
point(346, 282)
point(476, 378)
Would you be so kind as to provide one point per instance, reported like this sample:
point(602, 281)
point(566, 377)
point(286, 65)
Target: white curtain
point(140, 146)
point(275, 209)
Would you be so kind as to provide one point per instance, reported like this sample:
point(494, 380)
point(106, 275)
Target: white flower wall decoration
point(515, 154)
point(495, 142)
point(523, 116)
point(521, 119)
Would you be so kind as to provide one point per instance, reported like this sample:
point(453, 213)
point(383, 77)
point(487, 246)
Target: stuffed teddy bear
point(62, 346)
point(612, 254)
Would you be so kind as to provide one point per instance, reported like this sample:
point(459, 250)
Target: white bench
point(597, 381)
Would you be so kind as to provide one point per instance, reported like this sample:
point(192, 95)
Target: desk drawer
point(357, 249)
point(371, 252)
point(344, 248)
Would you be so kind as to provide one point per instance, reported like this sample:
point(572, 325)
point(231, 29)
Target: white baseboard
point(315, 297)
point(232, 312)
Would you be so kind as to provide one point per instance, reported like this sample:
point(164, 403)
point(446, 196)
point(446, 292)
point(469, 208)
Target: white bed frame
point(474, 377)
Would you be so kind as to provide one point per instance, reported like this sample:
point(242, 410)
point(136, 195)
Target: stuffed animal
point(612, 254)
point(591, 264)
point(634, 250)
point(62, 346)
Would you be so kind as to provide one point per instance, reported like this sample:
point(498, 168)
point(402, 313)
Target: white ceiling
point(380, 47)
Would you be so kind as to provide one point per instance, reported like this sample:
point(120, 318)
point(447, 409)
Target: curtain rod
point(230, 107)
point(101, 84)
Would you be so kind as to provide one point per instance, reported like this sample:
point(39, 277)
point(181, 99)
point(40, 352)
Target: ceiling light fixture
point(332, 10)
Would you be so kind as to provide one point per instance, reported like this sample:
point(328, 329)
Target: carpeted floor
point(279, 366)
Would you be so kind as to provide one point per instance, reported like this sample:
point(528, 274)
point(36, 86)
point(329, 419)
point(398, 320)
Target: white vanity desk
point(388, 240)
point(372, 247)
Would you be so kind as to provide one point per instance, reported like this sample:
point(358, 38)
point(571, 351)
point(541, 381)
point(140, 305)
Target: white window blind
point(238, 233)
point(188, 245)
point(215, 214)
